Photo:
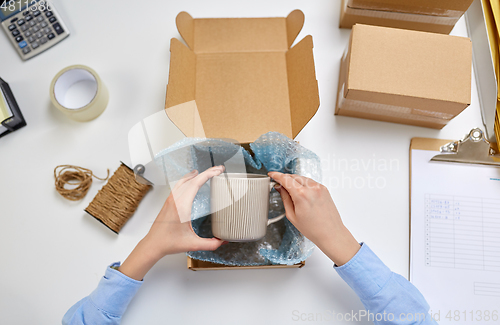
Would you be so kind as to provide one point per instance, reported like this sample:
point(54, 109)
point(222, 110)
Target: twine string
point(115, 203)
point(73, 182)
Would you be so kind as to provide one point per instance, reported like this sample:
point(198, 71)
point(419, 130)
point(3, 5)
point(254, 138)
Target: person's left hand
point(171, 232)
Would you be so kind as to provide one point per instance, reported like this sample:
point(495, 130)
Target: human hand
point(310, 208)
point(171, 232)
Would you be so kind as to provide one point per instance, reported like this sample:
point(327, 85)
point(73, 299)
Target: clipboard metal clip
point(474, 148)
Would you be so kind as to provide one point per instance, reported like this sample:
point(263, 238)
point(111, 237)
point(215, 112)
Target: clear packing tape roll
point(88, 101)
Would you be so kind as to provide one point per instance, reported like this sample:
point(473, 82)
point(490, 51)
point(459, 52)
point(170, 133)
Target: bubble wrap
point(283, 243)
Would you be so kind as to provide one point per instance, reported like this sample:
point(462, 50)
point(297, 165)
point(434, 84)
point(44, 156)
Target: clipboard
point(474, 148)
point(445, 177)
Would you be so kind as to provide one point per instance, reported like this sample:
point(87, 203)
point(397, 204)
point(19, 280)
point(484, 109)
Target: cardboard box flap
point(302, 84)
point(379, 64)
point(185, 26)
point(187, 118)
point(181, 88)
point(238, 79)
point(227, 35)
point(294, 23)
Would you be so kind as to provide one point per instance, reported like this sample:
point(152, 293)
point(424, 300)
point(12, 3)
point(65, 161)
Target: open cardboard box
point(239, 78)
point(404, 76)
point(438, 16)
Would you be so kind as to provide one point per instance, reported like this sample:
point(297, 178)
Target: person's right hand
point(310, 208)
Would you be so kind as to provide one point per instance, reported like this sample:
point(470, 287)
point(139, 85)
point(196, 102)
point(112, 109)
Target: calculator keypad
point(33, 28)
point(58, 28)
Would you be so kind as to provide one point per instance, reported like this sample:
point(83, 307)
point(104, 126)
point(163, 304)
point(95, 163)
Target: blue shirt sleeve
point(107, 303)
point(388, 297)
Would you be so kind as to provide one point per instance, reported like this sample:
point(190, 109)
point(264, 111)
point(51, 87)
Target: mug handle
point(281, 216)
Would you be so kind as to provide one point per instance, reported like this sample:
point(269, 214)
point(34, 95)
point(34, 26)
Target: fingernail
point(224, 242)
point(277, 186)
point(194, 171)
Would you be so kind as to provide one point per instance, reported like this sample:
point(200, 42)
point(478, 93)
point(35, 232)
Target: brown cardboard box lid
point(449, 8)
point(409, 69)
point(238, 78)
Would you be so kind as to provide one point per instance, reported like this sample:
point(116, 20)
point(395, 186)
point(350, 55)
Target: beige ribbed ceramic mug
point(239, 204)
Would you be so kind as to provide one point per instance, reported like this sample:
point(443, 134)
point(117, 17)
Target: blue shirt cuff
point(365, 273)
point(114, 292)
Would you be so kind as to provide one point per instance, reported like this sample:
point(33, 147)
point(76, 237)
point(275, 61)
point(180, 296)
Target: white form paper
point(455, 239)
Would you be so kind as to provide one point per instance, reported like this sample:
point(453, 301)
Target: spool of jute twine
point(73, 182)
point(117, 201)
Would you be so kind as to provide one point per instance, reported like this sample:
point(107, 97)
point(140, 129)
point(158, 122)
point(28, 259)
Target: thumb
point(208, 244)
point(287, 202)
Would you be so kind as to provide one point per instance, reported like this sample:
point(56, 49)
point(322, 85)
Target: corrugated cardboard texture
point(242, 77)
point(409, 64)
point(426, 74)
point(374, 115)
point(429, 16)
point(430, 7)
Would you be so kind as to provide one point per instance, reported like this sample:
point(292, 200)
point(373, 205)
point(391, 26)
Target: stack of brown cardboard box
point(400, 75)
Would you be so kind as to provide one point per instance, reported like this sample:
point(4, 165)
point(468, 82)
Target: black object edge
point(17, 121)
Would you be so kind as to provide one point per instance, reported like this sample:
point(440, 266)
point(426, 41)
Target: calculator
point(31, 25)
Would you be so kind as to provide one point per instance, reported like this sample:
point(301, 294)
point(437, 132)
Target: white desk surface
point(53, 254)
